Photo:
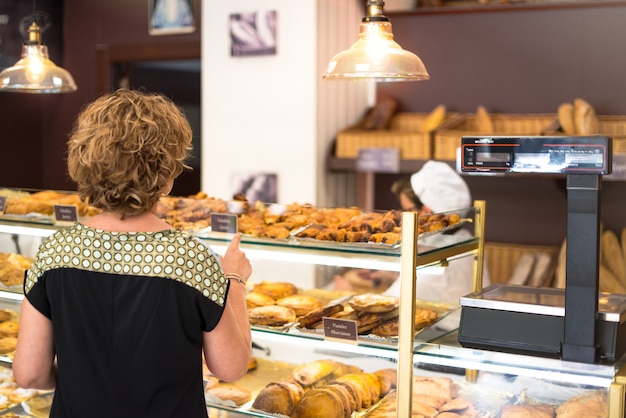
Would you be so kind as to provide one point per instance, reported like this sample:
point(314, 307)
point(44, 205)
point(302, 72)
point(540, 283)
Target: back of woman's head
point(125, 150)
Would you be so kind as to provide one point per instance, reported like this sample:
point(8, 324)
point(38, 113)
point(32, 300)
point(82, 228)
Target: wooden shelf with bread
point(419, 137)
point(298, 372)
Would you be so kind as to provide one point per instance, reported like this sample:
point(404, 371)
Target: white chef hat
point(440, 187)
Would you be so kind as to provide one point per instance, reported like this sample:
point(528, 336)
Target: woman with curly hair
point(120, 308)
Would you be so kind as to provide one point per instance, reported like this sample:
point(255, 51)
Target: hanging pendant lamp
point(375, 55)
point(35, 72)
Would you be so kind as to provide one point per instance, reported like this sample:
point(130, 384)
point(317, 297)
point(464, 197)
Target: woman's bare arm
point(33, 363)
point(227, 348)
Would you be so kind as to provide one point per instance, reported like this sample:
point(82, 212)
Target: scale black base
point(531, 321)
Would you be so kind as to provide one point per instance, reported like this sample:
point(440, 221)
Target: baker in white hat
point(437, 188)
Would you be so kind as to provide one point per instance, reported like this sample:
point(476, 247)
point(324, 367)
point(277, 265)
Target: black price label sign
point(378, 160)
point(65, 213)
point(340, 329)
point(221, 222)
point(3, 203)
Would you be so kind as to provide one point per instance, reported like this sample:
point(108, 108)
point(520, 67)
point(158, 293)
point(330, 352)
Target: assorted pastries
point(374, 314)
point(304, 221)
point(324, 388)
point(191, 212)
point(12, 268)
point(11, 395)
point(277, 303)
point(8, 331)
point(43, 203)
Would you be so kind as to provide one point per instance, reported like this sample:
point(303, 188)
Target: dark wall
point(521, 61)
point(38, 126)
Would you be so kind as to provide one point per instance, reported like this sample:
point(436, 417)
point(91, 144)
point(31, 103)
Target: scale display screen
point(536, 154)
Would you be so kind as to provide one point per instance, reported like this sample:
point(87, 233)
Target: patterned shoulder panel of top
point(169, 254)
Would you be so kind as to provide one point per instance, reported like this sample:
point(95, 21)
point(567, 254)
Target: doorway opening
point(170, 69)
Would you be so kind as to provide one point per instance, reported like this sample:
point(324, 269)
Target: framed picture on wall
point(170, 17)
point(253, 33)
point(261, 187)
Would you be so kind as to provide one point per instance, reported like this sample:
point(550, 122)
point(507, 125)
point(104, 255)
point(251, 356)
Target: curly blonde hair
point(126, 148)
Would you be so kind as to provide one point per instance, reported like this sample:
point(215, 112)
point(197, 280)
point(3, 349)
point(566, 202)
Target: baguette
point(561, 267)
point(566, 118)
point(611, 255)
point(623, 243)
point(485, 125)
point(585, 120)
point(434, 119)
point(609, 282)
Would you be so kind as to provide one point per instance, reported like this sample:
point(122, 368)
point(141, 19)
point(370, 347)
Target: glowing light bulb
point(35, 70)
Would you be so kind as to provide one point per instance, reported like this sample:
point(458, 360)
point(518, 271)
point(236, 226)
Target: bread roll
point(527, 411)
point(318, 403)
point(8, 328)
point(459, 406)
point(279, 398)
point(308, 374)
point(388, 380)
point(254, 299)
point(344, 396)
point(272, 315)
point(276, 290)
point(301, 304)
point(359, 385)
point(354, 404)
point(316, 315)
point(592, 404)
point(437, 387)
point(230, 392)
point(7, 344)
point(373, 302)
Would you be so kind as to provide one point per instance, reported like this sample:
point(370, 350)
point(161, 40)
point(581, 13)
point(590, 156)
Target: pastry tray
point(442, 309)
point(426, 241)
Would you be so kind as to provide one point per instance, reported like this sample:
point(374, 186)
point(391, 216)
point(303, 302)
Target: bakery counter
point(444, 380)
point(466, 381)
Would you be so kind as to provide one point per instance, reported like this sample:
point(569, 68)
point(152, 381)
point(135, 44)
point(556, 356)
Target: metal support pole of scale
point(582, 268)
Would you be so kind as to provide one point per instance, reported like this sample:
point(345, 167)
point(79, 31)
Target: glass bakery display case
point(418, 368)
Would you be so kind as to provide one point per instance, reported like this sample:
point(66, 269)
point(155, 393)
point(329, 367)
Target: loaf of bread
point(527, 411)
point(279, 398)
point(591, 404)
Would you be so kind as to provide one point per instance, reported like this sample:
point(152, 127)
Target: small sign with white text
point(65, 214)
point(340, 329)
point(221, 222)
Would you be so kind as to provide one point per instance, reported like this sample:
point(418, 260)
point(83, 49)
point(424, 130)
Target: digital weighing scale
point(576, 323)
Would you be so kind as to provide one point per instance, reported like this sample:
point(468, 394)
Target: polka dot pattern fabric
point(167, 254)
